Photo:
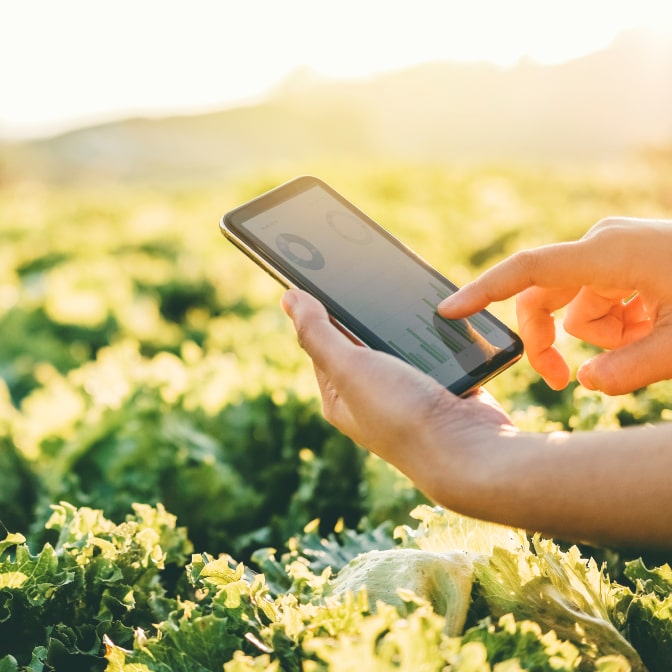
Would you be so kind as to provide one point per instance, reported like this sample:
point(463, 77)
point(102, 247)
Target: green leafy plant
point(98, 578)
point(146, 368)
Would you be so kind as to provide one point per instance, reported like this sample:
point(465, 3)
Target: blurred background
point(212, 89)
point(143, 359)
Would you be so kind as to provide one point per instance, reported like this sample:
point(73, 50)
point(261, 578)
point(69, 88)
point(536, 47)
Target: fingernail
point(288, 301)
point(584, 376)
point(448, 302)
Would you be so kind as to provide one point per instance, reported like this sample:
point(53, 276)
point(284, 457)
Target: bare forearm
point(600, 487)
point(603, 487)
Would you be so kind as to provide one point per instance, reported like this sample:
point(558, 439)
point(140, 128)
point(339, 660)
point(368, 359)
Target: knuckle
point(525, 261)
point(574, 322)
point(571, 325)
point(608, 228)
point(527, 265)
point(607, 222)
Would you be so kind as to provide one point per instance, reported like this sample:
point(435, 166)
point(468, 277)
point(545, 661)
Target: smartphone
point(376, 289)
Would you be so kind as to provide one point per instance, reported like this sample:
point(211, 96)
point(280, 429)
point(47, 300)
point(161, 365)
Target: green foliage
point(18, 488)
point(98, 579)
point(146, 367)
point(319, 554)
point(645, 612)
point(136, 435)
point(237, 623)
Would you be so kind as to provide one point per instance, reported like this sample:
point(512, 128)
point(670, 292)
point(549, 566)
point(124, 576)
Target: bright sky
point(65, 63)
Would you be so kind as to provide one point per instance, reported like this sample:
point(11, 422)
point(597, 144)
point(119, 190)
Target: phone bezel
point(232, 227)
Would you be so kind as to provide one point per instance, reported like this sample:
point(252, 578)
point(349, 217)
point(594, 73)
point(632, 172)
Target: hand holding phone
point(376, 289)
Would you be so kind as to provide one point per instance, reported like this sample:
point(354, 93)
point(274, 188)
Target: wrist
point(465, 466)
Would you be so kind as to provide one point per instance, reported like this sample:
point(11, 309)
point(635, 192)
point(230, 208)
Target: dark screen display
point(374, 285)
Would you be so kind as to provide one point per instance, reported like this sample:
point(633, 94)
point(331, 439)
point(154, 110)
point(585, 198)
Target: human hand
point(615, 283)
point(388, 406)
point(465, 455)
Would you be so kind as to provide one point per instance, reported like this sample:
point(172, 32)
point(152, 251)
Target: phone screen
point(369, 281)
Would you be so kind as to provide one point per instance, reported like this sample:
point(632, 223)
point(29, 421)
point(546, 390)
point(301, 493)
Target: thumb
point(631, 367)
point(315, 331)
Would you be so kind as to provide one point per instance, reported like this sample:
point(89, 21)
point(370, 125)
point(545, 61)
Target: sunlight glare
point(74, 61)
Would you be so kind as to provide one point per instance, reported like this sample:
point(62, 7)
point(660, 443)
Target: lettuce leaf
point(644, 612)
point(537, 582)
point(234, 614)
point(319, 553)
point(561, 591)
point(98, 577)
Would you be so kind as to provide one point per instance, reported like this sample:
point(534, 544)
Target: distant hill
point(604, 105)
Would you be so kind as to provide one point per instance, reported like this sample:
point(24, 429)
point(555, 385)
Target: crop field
point(172, 499)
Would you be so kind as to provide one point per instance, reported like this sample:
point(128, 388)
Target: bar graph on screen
point(434, 342)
